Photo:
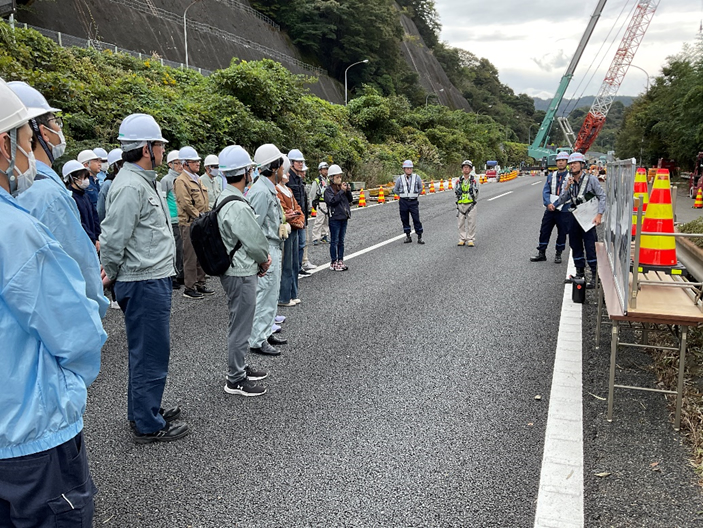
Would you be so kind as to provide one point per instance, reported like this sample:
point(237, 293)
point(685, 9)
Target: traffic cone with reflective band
point(362, 199)
point(432, 187)
point(640, 190)
point(396, 197)
point(313, 213)
point(423, 189)
point(659, 218)
point(441, 185)
point(450, 184)
point(698, 204)
point(381, 195)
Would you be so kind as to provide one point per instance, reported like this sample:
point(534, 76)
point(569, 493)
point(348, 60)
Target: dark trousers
point(193, 274)
point(289, 268)
point(147, 312)
point(578, 239)
point(179, 252)
point(549, 220)
point(48, 489)
point(407, 208)
point(338, 230)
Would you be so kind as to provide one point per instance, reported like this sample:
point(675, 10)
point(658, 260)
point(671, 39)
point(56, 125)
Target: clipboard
point(585, 213)
point(553, 198)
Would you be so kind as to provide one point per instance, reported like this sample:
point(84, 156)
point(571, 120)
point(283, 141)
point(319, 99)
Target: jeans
point(241, 301)
point(549, 220)
point(48, 489)
point(338, 229)
point(147, 314)
point(302, 241)
point(407, 208)
point(289, 268)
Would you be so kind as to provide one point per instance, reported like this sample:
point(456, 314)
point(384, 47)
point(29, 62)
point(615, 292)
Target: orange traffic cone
point(640, 190)
point(313, 213)
point(450, 184)
point(381, 195)
point(396, 197)
point(698, 204)
point(423, 189)
point(362, 199)
point(659, 250)
point(432, 186)
point(441, 185)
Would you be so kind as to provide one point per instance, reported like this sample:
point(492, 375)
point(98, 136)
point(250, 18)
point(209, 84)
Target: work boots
point(557, 257)
point(591, 283)
point(541, 256)
point(579, 275)
point(407, 240)
point(419, 239)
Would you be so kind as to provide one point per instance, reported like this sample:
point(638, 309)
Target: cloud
point(552, 61)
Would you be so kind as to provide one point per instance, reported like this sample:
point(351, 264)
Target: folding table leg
point(614, 340)
point(600, 295)
point(682, 367)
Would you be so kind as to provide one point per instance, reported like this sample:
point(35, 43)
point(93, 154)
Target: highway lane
point(405, 398)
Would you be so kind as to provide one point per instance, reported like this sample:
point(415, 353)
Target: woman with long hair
point(338, 197)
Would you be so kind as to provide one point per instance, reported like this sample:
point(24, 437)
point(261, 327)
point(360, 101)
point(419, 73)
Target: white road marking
point(499, 196)
point(536, 183)
point(560, 497)
point(361, 252)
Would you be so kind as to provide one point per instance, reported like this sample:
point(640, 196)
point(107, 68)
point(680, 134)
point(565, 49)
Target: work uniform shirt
point(167, 188)
point(191, 197)
point(466, 189)
point(587, 185)
point(553, 187)
point(264, 199)
point(408, 187)
point(89, 215)
point(213, 186)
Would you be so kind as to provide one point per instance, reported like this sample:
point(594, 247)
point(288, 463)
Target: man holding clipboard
point(587, 199)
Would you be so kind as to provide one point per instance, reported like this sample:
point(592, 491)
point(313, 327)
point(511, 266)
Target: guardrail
point(251, 11)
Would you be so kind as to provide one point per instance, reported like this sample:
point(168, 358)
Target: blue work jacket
point(51, 203)
point(93, 190)
point(51, 337)
point(547, 190)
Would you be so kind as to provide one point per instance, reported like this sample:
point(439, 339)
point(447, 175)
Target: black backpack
point(207, 241)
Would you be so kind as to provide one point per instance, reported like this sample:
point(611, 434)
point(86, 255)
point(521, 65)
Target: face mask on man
point(83, 183)
point(214, 173)
point(57, 150)
point(104, 166)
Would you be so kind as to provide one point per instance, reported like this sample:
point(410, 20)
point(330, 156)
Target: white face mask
point(83, 184)
point(104, 166)
point(58, 150)
point(26, 178)
point(214, 172)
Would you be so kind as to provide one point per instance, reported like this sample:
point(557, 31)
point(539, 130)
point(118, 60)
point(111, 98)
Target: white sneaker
point(296, 301)
point(309, 266)
point(114, 305)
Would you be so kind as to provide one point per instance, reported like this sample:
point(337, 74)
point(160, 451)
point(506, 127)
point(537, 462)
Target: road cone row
point(640, 190)
point(362, 199)
point(381, 195)
point(698, 204)
point(659, 218)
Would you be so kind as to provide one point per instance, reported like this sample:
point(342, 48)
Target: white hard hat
point(407, 164)
point(211, 159)
point(188, 154)
point(467, 162)
point(563, 155)
point(286, 164)
point(13, 112)
point(137, 129)
point(234, 159)
point(295, 155)
point(266, 154)
point(114, 156)
point(172, 156)
point(31, 97)
point(86, 155)
point(101, 153)
point(70, 167)
point(577, 156)
point(334, 170)
point(322, 165)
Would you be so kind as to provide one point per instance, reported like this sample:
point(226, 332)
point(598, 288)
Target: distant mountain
point(543, 104)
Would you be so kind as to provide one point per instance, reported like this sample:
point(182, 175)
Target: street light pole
point(642, 70)
point(529, 135)
point(346, 98)
point(185, 28)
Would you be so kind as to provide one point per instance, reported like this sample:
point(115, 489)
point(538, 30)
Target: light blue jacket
point(51, 203)
point(51, 337)
point(264, 199)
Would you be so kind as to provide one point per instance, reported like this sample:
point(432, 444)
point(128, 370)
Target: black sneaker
point(176, 285)
point(205, 290)
point(255, 375)
point(265, 349)
point(169, 433)
point(168, 414)
point(303, 273)
point(244, 388)
point(192, 294)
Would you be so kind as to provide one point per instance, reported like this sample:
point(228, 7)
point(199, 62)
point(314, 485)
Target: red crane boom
point(631, 40)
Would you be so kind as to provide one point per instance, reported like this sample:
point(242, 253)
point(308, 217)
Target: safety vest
point(556, 189)
point(321, 186)
point(467, 193)
point(408, 191)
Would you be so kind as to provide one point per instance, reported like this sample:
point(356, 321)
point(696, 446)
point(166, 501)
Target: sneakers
point(275, 340)
point(114, 305)
point(325, 239)
point(468, 244)
point(280, 319)
point(333, 265)
point(192, 294)
point(341, 266)
point(309, 266)
point(205, 290)
point(315, 242)
point(296, 301)
point(287, 304)
point(169, 433)
point(244, 388)
point(265, 350)
point(275, 328)
point(303, 274)
point(461, 243)
point(255, 375)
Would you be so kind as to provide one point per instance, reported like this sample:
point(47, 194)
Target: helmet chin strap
point(151, 155)
point(37, 134)
point(11, 179)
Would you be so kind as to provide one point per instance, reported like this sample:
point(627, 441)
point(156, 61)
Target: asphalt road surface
point(406, 396)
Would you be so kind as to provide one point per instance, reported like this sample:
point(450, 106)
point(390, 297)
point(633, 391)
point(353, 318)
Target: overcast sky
point(532, 42)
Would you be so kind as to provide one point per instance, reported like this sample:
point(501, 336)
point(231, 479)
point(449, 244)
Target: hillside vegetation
point(249, 103)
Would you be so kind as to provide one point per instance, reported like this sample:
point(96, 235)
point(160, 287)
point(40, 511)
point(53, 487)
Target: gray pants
point(267, 299)
point(179, 251)
point(467, 222)
point(322, 223)
point(241, 301)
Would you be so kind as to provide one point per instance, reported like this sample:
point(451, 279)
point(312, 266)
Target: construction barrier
point(509, 176)
point(659, 218)
point(640, 190)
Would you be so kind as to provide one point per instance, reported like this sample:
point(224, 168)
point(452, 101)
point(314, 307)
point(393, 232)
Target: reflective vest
point(468, 192)
point(321, 186)
point(409, 191)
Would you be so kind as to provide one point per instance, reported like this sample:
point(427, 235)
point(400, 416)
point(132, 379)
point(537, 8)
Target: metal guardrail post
point(59, 36)
point(636, 256)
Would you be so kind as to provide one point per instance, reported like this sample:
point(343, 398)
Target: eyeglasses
point(214, 166)
point(57, 120)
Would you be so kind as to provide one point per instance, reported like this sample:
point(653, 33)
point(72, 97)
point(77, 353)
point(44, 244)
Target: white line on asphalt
point(499, 196)
point(560, 497)
point(536, 183)
point(361, 252)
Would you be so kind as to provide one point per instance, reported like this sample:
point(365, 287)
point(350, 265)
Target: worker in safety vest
point(553, 215)
point(408, 187)
point(321, 229)
point(466, 197)
point(580, 188)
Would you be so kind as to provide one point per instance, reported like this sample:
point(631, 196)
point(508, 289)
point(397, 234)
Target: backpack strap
point(216, 210)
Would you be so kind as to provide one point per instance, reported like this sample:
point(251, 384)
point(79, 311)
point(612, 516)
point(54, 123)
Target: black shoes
point(244, 388)
point(541, 256)
point(557, 257)
point(255, 375)
point(591, 283)
point(169, 433)
point(579, 275)
point(275, 340)
point(419, 239)
point(204, 290)
point(407, 240)
point(168, 414)
point(265, 350)
point(192, 294)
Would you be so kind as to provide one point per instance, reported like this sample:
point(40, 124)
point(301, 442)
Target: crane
point(595, 119)
point(539, 149)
